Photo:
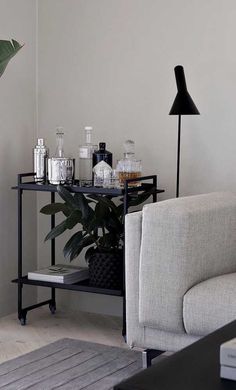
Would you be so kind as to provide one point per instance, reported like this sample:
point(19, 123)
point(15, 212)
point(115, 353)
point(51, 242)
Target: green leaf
point(72, 243)
point(89, 252)
point(56, 231)
point(113, 224)
point(102, 213)
point(83, 205)
point(106, 201)
point(109, 240)
point(7, 50)
point(67, 197)
point(92, 225)
point(86, 241)
point(54, 208)
point(73, 219)
point(79, 195)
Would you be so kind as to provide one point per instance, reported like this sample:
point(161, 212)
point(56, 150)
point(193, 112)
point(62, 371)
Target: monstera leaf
point(7, 50)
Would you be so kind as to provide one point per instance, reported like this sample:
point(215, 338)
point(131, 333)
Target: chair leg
point(148, 355)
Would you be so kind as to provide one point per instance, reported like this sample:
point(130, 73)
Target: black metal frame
point(83, 285)
point(178, 156)
point(148, 355)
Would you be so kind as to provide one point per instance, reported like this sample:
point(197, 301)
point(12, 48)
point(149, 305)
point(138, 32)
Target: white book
point(227, 372)
point(228, 353)
point(60, 273)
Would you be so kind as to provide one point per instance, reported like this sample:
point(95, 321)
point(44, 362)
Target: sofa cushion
point(210, 305)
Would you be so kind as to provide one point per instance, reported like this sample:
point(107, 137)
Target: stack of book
point(60, 273)
point(228, 360)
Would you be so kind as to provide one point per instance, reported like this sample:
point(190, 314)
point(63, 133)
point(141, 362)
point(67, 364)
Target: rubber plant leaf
point(54, 208)
point(77, 249)
point(7, 50)
point(82, 201)
point(102, 213)
point(56, 231)
point(67, 197)
point(73, 219)
point(106, 201)
point(72, 243)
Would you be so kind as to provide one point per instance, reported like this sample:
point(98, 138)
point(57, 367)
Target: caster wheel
point(23, 321)
point(52, 308)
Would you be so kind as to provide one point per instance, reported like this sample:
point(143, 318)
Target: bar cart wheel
point(52, 308)
point(22, 318)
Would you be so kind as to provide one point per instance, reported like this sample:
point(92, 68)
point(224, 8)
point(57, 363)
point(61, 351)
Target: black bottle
point(102, 155)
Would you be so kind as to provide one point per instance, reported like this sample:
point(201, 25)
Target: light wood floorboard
point(43, 328)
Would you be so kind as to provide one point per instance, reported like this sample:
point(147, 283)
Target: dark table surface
point(196, 367)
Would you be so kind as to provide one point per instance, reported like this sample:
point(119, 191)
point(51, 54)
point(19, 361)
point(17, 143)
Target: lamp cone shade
point(183, 103)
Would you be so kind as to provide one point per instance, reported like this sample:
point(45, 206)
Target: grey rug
point(70, 364)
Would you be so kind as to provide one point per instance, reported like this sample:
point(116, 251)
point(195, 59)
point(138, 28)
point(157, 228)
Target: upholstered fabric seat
point(210, 305)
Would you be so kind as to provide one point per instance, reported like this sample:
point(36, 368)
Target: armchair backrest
point(184, 241)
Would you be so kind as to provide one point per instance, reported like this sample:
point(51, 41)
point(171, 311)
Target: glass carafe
point(60, 168)
point(129, 167)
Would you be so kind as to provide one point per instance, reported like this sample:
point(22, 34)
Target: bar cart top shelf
point(47, 187)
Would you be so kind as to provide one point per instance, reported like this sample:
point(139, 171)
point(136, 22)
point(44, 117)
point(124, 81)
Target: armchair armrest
point(133, 231)
point(184, 241)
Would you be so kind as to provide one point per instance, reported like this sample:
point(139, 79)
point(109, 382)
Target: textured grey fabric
point(165, 341)
point(70, 364)
point(210, 305)
point(137, 334)
point(133, 230)
point(184, 241)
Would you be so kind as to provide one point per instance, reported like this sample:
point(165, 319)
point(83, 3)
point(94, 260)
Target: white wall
point(109, 64)
point(17, 134)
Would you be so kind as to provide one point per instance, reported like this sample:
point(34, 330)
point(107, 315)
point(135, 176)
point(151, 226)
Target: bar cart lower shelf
point(84, 285)
point(80, 286)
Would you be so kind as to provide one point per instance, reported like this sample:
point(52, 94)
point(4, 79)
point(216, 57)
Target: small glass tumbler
point(102, 173)
point(112, 181)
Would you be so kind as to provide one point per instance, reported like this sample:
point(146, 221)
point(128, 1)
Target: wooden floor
point(43, 328)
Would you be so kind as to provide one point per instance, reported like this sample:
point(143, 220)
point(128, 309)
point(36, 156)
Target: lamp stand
point(178, 157)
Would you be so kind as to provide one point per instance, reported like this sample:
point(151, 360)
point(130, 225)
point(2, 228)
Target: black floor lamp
point(183, 105)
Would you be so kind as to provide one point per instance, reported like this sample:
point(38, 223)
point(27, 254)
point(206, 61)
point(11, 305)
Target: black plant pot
point(106, 269)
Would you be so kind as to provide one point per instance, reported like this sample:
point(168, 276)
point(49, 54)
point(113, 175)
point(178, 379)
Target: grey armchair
point(180, 270)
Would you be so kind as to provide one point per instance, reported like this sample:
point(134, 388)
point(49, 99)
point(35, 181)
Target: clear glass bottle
point(60, 142)
point(85, 158)
point(60, 168)
point(129, 167)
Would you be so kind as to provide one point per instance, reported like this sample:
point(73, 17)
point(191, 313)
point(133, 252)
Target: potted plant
point(7, 50)
point(100, 224)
